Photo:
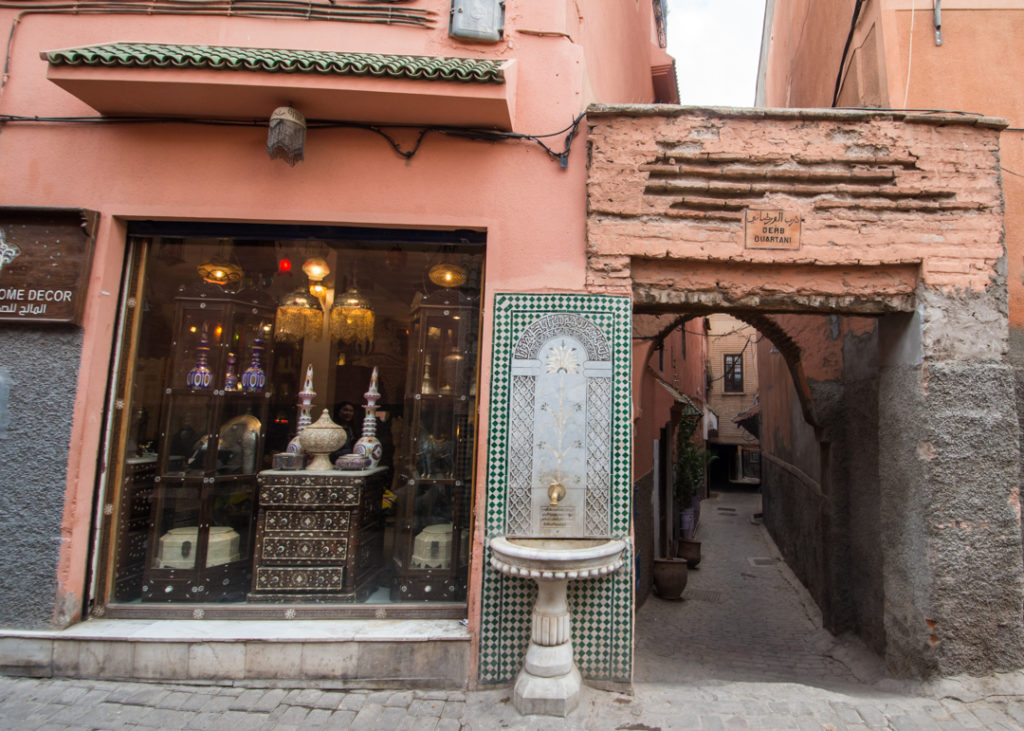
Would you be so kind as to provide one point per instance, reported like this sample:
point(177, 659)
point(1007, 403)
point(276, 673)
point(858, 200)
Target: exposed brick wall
point(886, 200)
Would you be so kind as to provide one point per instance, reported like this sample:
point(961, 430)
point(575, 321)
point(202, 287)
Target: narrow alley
point(743, 617)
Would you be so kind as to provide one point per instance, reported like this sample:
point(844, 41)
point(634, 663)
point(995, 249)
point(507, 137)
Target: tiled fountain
point(560, 478)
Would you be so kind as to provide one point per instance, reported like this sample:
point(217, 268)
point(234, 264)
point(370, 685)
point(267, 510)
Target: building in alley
point(732, 376)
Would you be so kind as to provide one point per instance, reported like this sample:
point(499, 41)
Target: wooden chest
point(319, 535)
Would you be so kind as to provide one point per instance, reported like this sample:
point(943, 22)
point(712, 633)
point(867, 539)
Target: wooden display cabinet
point(319, 535)
point(135, 509)
point(432, 508)
point(213, 428)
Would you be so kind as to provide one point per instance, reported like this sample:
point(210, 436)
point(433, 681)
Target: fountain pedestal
point(549, 683)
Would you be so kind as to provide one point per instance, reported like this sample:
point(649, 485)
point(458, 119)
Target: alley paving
point(744, 649)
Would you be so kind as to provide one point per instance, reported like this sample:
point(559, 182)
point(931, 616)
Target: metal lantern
point(217, 270)
point(352, 319)
point(286, 138)
point(299, 316)
point(447, 274)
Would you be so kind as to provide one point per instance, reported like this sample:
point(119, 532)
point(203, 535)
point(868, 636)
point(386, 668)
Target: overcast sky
point(716, 44)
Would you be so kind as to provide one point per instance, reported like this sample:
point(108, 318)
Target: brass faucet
point(556, 491)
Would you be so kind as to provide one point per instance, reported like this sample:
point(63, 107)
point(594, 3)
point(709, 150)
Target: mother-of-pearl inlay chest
point(319, 535)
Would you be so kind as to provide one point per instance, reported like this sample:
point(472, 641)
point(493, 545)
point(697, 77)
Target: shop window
point(218, 334)
point(732, 381)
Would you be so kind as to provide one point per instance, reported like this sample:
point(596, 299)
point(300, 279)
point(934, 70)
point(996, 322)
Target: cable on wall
point(910, 52)
point(469, 133)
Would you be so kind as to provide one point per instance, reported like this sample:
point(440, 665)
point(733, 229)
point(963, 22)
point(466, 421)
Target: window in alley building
point(733, 378)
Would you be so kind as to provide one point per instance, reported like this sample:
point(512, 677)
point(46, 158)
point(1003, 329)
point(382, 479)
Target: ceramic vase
point(690, 552)
point(201, 376)
point(231, 374)
point(254, 378)
point(368, 445)
point(670, 577)
point(321, 438)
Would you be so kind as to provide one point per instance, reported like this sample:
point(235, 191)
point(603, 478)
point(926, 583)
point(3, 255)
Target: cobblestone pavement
point(743, 617)
point(743, 650)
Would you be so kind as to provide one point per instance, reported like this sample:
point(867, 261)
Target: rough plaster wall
point(1016, 360)
point(861, 586)
point(950, 512)
point(792, 493)
point(793, 515)
point(885, 199)
point(643, 533)
point(43, 366)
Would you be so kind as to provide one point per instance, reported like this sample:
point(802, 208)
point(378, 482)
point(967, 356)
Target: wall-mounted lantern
point(286, 137)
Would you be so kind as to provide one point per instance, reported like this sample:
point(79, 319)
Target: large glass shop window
point(232, 486)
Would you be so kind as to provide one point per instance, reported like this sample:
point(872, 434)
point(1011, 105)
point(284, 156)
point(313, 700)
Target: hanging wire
point(484, 135)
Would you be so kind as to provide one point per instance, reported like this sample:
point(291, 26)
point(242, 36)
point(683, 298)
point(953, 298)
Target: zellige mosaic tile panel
point(602, 610)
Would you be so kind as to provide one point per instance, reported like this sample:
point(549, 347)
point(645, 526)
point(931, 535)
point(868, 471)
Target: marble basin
point(549, 682)
point(556, 559)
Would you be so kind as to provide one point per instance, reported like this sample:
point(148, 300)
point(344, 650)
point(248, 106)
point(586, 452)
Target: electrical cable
point(846, 51)
point(486, 135)
point(910, 52)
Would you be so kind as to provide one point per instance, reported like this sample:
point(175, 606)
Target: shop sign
point(771, 229)
point(45, 256)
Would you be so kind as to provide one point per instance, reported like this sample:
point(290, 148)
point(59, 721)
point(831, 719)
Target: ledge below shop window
point(221, 82)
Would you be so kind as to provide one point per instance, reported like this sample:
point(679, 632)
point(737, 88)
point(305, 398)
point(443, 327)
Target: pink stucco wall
point(566, 54)
point(977, 69)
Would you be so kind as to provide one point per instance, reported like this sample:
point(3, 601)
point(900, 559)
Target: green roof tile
point(278, 60)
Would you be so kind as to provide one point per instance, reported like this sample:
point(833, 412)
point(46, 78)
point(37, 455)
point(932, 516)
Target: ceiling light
point(216, 270)
point(447, 274)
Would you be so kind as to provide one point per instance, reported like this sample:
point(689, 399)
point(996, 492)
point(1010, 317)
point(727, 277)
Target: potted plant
point(687, 481)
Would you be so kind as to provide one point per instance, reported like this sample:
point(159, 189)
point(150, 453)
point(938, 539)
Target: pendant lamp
point(299, 316)
point(352, 319)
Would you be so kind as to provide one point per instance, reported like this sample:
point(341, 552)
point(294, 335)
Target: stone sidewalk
point(70, 705)
point(743, 650)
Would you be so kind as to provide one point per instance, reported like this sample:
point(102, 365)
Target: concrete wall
point(42, 364)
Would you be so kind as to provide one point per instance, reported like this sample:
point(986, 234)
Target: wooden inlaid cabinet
point(319, 535)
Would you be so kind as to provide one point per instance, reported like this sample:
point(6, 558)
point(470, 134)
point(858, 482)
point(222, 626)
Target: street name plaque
point(771, 229)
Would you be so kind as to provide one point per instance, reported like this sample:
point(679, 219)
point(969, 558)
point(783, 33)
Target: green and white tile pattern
point(602, 610)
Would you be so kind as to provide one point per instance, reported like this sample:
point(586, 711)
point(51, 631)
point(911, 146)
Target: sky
point(716, 44)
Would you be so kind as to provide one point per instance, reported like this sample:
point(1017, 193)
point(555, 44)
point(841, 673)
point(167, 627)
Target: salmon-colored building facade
point(460, 229)
point(436, 132)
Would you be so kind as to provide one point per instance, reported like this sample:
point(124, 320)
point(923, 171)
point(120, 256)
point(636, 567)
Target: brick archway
point(893, 216)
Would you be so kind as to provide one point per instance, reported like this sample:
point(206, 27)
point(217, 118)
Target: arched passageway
point(745, 614)
point(872, 242)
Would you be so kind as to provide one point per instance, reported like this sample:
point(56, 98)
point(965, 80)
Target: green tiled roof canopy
point(275, 60)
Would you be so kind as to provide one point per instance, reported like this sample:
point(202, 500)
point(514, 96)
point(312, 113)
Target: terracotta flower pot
point(670, 575)
point(689, 550)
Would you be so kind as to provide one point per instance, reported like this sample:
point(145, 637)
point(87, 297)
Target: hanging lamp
point(299, 316)
point(447, 274)
point(352, 319)
point(316, 269)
